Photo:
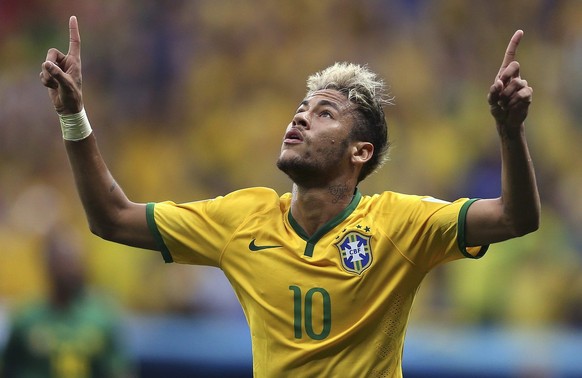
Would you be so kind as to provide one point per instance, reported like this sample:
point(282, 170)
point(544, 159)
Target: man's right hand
point(61, 74)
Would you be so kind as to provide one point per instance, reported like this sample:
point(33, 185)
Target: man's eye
point(326, 114)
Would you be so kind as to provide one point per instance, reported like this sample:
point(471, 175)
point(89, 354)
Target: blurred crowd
point(190, 99)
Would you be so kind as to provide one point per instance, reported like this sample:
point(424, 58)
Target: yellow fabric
point(312, 313)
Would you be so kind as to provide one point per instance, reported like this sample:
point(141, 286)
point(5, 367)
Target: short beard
point(306, 172)
point(302, 172)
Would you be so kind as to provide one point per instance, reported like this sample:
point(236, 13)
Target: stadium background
point(189, 100)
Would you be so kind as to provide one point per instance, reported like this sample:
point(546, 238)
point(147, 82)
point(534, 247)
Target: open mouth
point(293, 136)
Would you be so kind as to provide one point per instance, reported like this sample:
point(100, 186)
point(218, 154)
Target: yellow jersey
point(333, 304)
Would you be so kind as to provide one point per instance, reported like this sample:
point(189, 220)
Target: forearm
point(517, 211)
point(519, 191)
point(102, 199)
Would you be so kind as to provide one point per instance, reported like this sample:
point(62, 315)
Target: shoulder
point(237, 204)
point(250, 199)
point(410, 205)
point(402, 199)
point(392, 200)
point(256, 194)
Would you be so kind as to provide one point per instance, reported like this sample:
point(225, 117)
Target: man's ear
point(362, 152)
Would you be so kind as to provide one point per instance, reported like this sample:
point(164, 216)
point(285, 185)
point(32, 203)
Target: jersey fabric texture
point(335, 303)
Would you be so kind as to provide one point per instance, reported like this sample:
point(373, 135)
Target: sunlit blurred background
point(189, 100)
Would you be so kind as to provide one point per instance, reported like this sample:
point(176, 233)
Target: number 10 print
point(305, 312)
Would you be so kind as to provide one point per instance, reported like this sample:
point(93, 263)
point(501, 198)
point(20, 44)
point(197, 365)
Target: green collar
point(311, 241)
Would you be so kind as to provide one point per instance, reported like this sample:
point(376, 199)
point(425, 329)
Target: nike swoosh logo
point(253, 247)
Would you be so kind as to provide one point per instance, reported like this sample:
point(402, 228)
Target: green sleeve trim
point(156, 233)
point(461, 237)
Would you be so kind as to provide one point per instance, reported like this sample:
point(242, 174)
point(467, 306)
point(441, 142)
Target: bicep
point(486, 223)
point(131, 228)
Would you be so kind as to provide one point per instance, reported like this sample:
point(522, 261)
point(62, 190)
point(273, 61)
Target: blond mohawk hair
point(357, 82)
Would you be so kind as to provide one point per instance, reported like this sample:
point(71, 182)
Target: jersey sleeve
point(197, 232)
point(431, 231)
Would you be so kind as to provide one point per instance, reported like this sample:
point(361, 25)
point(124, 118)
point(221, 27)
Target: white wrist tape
point(76, 126)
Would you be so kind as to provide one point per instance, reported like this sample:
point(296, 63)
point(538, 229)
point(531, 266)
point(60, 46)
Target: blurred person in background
point(73, 332)
point(326, 275)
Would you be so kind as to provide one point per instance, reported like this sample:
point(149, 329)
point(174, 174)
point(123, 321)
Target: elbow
point(123, 223)
point(103, 230)
point(525, 228)
point(526, 225)
point(107, 222)
point(97, 230)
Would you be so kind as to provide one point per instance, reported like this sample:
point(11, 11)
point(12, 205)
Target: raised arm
point(517, 211)
point(110, 213)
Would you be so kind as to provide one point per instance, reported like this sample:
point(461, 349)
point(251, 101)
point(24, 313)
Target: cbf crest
point(355, 252)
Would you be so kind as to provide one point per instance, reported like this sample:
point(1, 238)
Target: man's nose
point(300, 119)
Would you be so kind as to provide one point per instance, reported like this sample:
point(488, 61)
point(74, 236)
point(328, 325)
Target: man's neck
point(314, 207)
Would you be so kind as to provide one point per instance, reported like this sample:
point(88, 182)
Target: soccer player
point(72, 332)
point(325, 274)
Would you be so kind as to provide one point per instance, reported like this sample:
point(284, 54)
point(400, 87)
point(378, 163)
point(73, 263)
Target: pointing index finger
point(74, 37)
point(510, 52)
